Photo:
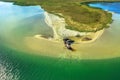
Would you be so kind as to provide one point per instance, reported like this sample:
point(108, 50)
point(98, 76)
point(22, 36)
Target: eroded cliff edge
point(58, 25)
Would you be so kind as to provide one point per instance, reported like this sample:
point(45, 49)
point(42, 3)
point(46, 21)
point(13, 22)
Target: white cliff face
point(53, 22)
point(58, 25)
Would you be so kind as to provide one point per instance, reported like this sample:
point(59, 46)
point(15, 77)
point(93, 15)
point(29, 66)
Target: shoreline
point(53, 47)
point(58, 26)
point(62, 51)
point(37, 45)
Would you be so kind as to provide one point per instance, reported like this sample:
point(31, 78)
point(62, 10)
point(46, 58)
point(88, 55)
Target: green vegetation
point(78, 16)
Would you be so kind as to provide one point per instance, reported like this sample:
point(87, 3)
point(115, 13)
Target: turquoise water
point(113, 7)
point(17, 65)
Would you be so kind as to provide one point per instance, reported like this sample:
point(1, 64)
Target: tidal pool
point(23, 57)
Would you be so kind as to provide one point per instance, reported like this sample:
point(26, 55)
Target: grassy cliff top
point(78, 16)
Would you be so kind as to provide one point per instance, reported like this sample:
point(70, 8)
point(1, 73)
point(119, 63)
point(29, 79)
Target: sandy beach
point(57, 49)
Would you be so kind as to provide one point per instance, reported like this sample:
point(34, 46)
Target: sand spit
point(54, 47)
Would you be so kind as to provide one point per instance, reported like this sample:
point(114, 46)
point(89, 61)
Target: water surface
point(19, 22)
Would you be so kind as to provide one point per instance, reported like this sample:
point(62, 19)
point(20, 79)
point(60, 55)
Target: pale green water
point(21, 21)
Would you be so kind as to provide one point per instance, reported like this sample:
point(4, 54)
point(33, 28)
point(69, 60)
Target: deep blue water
point(113, 7)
